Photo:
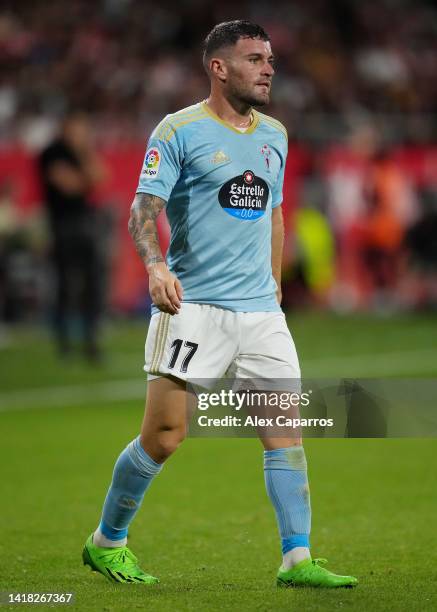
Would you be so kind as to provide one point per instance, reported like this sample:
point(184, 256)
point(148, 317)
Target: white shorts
point(208, 342)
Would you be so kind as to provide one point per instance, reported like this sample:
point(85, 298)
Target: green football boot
point(116, 564)
point(309, 573)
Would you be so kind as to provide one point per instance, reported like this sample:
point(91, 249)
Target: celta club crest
point(266, 152)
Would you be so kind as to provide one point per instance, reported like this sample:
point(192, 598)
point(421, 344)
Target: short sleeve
point(161, 167)
point(277, 189)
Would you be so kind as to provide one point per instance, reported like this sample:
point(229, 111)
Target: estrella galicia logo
point(244, 196)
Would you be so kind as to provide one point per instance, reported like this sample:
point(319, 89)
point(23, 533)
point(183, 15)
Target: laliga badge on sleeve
point(151, 163)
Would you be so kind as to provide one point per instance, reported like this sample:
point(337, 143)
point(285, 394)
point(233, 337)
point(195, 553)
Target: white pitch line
point(72, 395)
point(373, 365)
point(396, 363)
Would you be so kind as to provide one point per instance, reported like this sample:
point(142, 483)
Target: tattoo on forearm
point(142, 227)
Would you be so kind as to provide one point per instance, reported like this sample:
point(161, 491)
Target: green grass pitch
point(206, 527)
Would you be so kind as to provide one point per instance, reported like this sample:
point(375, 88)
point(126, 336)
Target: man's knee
point(169, 440)
point(162, 443)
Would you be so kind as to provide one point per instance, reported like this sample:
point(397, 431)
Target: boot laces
point(120, 556)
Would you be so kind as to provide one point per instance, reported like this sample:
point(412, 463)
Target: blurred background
point(82, 84)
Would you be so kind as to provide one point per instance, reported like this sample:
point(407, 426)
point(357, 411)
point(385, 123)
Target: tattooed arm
point(165, 289)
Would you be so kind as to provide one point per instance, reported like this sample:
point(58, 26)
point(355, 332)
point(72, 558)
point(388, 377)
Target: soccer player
point(217, 167)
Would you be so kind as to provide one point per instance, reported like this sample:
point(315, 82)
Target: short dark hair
point(229, 33)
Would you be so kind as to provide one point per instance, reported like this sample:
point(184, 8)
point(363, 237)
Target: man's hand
point(164, 288)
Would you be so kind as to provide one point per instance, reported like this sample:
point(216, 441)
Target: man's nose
point(268, 69)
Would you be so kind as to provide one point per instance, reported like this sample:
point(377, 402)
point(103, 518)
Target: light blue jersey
point(220, 186)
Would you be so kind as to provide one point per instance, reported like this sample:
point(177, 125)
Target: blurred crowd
point(128, 62)
point(362, 225)
point(355, 86)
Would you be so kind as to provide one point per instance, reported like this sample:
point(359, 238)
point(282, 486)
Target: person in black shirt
point(69, 170)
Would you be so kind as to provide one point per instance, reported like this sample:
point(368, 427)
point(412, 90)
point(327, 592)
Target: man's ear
point(218, 68)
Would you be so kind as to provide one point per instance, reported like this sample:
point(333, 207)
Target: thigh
point(166, 406)
point(165, 420)
point(268, 356)
point(267, 350)
point(197, 343)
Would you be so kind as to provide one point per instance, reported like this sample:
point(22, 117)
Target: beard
point(246, 95)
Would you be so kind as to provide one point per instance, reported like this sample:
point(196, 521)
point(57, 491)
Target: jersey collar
point(252, 127)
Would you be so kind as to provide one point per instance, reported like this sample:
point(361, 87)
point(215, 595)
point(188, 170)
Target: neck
point(235, 112)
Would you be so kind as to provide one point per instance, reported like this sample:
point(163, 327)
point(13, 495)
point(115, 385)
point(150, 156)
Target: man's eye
point(253, 60)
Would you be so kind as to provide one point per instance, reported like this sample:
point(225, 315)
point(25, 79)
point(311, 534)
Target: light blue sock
point(133, 473)
point(285, 471)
